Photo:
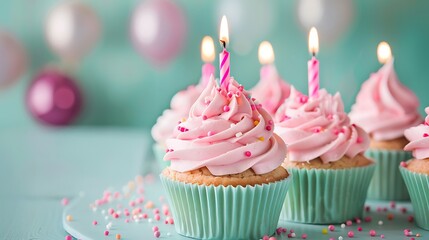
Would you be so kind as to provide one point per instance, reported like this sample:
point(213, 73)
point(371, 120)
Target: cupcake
point(330, 174)
point(179, 109)
point(416, 171)
point(385, 108)
point(225, 180)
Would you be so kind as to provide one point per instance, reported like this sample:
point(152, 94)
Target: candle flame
point(224, 33)
point(384, 53)
point(313, 41)
point(207, 49)
point(266, 53)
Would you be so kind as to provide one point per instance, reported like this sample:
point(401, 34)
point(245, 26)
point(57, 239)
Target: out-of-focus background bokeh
point(122, 87)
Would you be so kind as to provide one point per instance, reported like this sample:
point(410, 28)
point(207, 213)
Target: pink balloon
point(158, 30)
point(53, 98)
point(13, 59)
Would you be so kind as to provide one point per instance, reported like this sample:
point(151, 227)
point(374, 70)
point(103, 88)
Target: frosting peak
point(318, 127)
point(227, 133)
point(419, 139)
point(271, 90)
point(385, 107)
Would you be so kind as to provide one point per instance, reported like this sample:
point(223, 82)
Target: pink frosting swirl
point(419, 139)
point(271, 90)
point(318, 127)
point(384, 107)
point(180, 105)
point(227, 133)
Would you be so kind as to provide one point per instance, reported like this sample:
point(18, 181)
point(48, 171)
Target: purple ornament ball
point(54, 98)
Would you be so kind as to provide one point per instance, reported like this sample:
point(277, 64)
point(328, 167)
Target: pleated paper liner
point(220, 212)
point(323, 196)
point(418, 187)
point(387, 182)
point(159, 152)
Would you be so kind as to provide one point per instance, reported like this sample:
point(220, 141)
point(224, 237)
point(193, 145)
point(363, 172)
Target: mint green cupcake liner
point(387, 183)
point(159, 152)
point(209, 212)
point(418, 187)
point(324, 196)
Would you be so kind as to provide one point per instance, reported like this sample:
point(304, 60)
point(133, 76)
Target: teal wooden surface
point(122, 88)
point(40, 167)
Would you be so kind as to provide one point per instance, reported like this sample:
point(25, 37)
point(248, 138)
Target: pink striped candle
point(208, 56)
point(224, 67)
point(313, 77)
point(313, 64)
point(207, 71)
point(224, 55)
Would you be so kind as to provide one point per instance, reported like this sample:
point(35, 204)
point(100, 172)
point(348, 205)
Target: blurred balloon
point(330, 17)
point(13, 59)
point(71, 29)
point(53, 98)
point(158, 30)
point(250, 22)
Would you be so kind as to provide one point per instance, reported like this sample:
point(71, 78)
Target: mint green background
point(122, 88)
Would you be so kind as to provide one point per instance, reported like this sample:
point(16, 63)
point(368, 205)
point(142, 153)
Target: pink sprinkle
point(268, 128)
point(205, 117)
point(289, 235)
point(425, 135)
point(270, 122)
point(392, 204)
point(303, 99)
point(210, 133)
point(132, 204)
point(229, 94)
point(403, 164)
point(351, 234)
point(110, 211)
point(359, 140)
point(291, 231)
point(68, 237)
point(65, 201)
point(226, 108)
point(304, 236)
point(349, 223)
point(412, 238)
point(272, 238)
point(316, 130)
point(240, 88)
point(155, 228)
point(265, 237)
point(156, 211)
point(171, 220)
point(368, 219)
point(127, 220)
point(247, 153)
point(140, 200)
point(237, 94)
point(144, 215)
point(278, 231)
point(359, 229)
point(331, 228)
point(382, 236)
point(166, 212)
point(157, 234)
point(372, 233)
point(94, 223)
point(115, 215)
point(358, 220)
point(106, 233)
point(157, 217)
point(166, 221)
point(410, 219)
point(253, 107)
point(404, 210)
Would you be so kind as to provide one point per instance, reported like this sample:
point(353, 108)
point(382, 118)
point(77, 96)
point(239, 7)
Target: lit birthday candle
point(224, 63)
point(384, 53)
point(266, 58)
point(313, 64)
point(208, 56)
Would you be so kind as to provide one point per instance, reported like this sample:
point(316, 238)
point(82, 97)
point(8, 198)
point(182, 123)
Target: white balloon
point(330, 17)
point(13, 59)
point(72, 29)
point(249, 22)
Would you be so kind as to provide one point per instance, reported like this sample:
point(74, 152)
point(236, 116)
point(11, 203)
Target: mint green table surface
point(40, 167)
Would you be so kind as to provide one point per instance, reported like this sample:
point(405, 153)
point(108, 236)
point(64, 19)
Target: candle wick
point(223, 43)
point(313, 53)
